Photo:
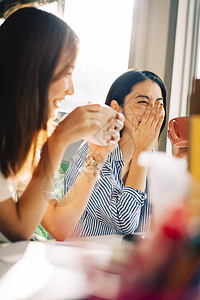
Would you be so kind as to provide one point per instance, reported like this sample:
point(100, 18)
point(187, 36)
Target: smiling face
point(141, 96)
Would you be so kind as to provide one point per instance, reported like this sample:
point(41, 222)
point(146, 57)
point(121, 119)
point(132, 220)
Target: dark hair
point(123, 85)
point(32, 42)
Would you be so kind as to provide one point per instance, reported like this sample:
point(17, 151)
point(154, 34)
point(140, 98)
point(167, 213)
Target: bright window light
point(50, 7)
point(104, 30)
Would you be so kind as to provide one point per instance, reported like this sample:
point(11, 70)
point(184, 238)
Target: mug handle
point(173, 132)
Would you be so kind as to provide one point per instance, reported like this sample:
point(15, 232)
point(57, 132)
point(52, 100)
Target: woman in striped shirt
point(118, 203)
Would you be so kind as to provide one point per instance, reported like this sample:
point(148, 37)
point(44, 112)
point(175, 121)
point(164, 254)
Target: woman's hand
point(179, 152)
point(145, 135)
point(100, 153)
point(80, 123)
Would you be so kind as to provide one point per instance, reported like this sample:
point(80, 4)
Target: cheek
point(135, 112)
point(58, 87)
point(140, 111)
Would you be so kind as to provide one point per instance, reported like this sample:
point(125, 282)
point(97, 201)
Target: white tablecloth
point(50, 270)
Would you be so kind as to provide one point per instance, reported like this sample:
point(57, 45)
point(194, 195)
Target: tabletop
point(50, 269)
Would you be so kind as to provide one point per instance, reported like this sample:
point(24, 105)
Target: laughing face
point(141, 96)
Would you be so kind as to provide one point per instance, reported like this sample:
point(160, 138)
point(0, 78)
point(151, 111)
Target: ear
point(114, 104)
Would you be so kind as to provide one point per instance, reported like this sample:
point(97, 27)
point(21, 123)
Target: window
point(104, 30)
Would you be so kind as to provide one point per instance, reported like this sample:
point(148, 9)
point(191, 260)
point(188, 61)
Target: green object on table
point(42, 232)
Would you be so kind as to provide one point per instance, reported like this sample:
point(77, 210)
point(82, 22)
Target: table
point(51, 270)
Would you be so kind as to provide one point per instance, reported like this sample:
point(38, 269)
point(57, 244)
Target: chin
point(54, 115)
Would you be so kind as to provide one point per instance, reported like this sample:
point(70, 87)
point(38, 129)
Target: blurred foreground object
point(165, 267)
point(194, 153)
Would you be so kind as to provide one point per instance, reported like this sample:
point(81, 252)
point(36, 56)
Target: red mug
point(178, 133)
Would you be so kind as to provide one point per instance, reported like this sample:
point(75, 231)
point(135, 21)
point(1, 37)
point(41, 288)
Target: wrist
point(92, 166)
point(98, 157)
point(139, 150)
point(59, 139)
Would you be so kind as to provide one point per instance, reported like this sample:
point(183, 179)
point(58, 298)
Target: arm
point(179, 152)
point(18, 220)
point(74, 201)
point(132, 205)
point(121, 211)
point(145, 136)
point(61, 218)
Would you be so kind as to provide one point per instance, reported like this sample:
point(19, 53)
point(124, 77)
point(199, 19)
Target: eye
point(68, 74)
point(143, 102)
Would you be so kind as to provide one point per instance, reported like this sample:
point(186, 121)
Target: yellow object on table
point(194, 155)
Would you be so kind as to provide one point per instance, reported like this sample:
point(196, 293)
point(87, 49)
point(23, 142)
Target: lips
point(57, 102)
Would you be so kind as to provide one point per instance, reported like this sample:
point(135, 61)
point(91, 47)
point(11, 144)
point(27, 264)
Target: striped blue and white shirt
point(113, 208)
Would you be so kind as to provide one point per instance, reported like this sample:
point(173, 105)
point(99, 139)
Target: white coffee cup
point(101, 136)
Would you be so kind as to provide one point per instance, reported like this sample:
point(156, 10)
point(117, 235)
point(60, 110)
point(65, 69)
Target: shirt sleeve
point(6, 188)
point(75, 167)
point(122, 211)
point(118, 208)
point(127, 209)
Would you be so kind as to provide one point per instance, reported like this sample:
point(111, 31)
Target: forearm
point(19, 219)
point(52, 154)
point(61, 218)
point(137, 175)
point(126, 210)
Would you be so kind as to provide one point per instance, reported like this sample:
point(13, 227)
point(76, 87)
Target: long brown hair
point(32, 42)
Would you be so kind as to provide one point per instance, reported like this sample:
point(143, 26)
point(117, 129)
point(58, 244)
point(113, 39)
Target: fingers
point(159, 117)
point(93, 111)
point(154, 115)
point(89, 115)
point(120, 117)
point(114, 134)
point(112, 144)
point(93, 124)
point(135, 124)
point(118, 122)
point(147, 114)
point(87, 120)
point(159, 123)
point(92, 107)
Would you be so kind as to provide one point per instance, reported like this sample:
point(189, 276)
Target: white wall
point(149, 43)
point(150, 35)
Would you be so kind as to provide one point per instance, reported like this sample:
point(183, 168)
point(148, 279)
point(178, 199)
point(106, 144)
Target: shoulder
point(7, 188)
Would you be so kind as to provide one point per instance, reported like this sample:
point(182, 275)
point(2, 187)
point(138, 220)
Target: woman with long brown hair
point(37, 57)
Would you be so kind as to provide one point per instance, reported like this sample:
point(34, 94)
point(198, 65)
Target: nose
point(152, 103)
point(70, 88)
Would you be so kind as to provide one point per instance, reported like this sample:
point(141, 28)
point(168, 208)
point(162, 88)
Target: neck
point(126, 145)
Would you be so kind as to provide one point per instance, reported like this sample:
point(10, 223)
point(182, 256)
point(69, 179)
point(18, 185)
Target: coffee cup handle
point(173, 132)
